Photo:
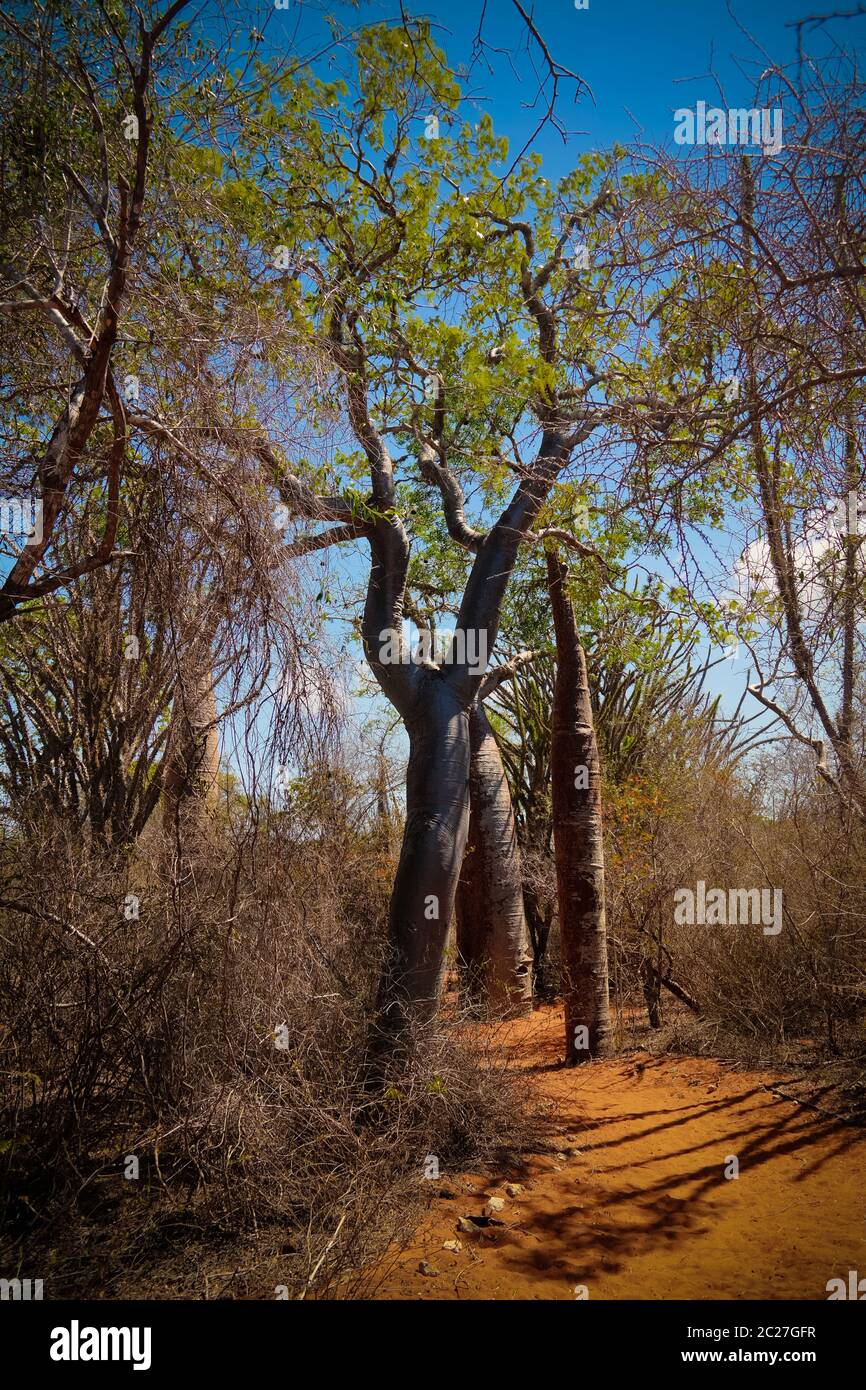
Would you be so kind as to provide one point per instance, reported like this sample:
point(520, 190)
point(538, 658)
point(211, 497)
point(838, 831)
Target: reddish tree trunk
point(576, 790)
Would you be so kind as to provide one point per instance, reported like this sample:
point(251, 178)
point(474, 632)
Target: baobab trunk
point(492, 937)
point(435, 703)
point(578, 846)
point(434, 839)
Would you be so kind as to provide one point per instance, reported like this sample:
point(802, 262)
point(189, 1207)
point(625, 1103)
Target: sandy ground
point(633, 1201)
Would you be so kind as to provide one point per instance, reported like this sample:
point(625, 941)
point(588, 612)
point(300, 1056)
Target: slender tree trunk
point(576, 789)
point(191, 787)
point(539, 921)
point(492, 936)
point(652, 992)
point(386, 824)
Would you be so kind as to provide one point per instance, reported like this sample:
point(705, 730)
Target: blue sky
point(641, 58)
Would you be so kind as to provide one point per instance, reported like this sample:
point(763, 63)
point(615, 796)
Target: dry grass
point(219, 1040)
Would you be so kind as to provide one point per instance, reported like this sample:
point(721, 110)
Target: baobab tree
point(365, 228)
point(575, 769)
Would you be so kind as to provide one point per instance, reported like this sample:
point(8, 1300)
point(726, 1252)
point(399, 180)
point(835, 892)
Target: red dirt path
point(635, 1203)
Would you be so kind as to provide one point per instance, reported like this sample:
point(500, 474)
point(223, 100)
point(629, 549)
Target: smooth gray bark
point(492, 936)
point(437, 822)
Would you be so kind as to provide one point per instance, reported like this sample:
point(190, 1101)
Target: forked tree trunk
point(434, 703)
point(578, 846)
point(492, 937)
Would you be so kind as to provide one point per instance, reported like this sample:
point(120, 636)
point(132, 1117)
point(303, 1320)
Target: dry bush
point(800, 993)
point(219, 1038)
